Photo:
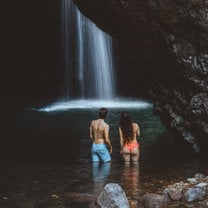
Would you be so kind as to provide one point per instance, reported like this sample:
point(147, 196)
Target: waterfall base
point(94, 103)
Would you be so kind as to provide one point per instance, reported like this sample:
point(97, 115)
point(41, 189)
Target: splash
point(93, 104)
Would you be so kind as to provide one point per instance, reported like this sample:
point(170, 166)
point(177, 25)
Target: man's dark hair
point(103, 113)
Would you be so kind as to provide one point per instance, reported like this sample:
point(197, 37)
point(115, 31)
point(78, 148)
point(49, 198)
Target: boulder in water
point(112, 196)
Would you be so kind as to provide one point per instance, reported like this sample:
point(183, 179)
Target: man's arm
point(107, 138)
point(91, 132)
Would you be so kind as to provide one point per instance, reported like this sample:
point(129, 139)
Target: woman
point(128, 132)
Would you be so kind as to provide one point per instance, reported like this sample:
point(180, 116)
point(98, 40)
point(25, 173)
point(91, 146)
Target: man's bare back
point(99, 134)
point(99, 131)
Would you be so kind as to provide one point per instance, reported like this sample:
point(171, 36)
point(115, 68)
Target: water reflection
point(130, 178)
point(100, 172)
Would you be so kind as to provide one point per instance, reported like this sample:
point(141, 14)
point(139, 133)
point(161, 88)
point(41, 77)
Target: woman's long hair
point(126, 127)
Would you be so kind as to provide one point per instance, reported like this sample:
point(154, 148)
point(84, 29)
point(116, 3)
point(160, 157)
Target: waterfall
point(88, 63)
point(87, 56)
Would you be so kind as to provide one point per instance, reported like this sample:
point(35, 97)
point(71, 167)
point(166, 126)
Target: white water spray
point(96, 104)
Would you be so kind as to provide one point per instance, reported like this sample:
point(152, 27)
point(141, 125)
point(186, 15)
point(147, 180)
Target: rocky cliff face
point(167, 41)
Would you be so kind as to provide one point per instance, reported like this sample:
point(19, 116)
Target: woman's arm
point(138, 130)
point(121, 139)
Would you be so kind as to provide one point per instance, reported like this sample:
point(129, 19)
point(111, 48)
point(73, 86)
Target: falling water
point(88, 62)
point(87, 53)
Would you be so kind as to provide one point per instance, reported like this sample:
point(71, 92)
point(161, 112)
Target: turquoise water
point(71, 126)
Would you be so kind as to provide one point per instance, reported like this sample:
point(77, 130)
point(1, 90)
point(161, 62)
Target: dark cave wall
point(167, 44)
point(30, 61)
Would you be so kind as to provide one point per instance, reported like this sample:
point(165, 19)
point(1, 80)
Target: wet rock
point(192, 180)
point(175, 194)
point(202, 185)
point(199, 104)
point(155, 200)
point(192, 192)
point(199, 176)
point(195, 194)
point(112, 196)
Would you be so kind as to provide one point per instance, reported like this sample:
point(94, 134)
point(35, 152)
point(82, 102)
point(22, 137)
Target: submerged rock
point(155, 200)
point(173, 193)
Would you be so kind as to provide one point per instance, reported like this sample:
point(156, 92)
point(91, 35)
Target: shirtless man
point(99, 134)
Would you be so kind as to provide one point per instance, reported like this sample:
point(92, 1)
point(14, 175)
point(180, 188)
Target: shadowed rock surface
point(167, 45)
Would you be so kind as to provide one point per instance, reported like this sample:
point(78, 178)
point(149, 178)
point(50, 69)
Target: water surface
point(46, 158)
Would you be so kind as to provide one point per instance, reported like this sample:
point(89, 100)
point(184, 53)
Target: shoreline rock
point(192, 191)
